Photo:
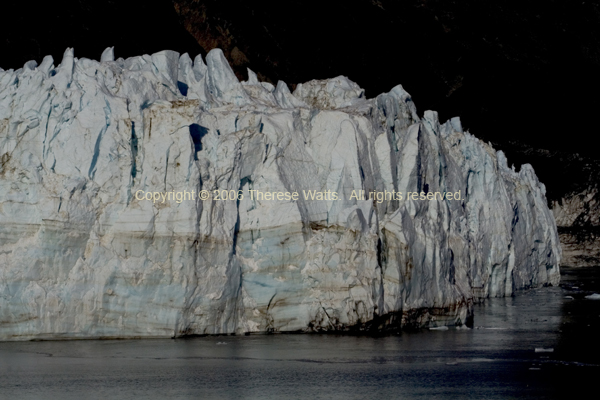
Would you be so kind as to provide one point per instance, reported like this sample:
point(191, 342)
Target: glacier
point(81, 256)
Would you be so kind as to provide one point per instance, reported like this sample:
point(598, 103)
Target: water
point(495, 360)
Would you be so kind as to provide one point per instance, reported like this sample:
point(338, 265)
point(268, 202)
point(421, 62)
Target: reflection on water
point(496, 359)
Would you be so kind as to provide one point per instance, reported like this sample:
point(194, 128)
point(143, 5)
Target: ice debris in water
point(544, 350)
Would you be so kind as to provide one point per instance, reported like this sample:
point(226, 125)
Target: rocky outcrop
point(105, 230)
point(578, 218)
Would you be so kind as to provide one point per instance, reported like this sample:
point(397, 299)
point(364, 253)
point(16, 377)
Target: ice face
point(84, 252)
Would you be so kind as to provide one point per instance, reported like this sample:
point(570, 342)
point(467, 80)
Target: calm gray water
point(495, 360)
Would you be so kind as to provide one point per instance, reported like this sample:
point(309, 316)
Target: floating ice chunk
point(569, 297)
point(544, 350)
point(438, 328)
point(473, 360)
point(594, 296)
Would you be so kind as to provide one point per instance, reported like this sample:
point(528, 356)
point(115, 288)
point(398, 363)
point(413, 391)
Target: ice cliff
point(82, 256)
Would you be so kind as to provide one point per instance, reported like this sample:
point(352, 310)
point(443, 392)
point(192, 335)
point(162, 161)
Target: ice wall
point(81, 256)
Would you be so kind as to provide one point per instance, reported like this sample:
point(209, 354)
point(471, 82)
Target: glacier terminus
point(81, 256)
